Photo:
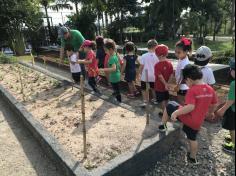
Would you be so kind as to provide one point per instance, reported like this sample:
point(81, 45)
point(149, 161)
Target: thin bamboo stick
point(83, 114)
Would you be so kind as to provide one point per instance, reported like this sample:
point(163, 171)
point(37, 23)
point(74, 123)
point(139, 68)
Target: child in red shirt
point(92, 64)
point(200, 97)
point(163, 72)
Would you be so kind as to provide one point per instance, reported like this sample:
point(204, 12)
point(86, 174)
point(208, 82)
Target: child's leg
point(134, 86)
point(193, 149)
point(93, 84)
point(165, 117)
point(163, 105)
point(131, 88)
point(116, 89)
point(144, 92)
point(232, 134)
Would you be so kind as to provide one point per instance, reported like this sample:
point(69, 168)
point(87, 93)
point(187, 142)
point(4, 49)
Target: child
point(147, 63)
point(200, 97)
point(74, 67)
point(228, 111)
point(129, 67)
point(92, 64)
point(203, 57)
point(183, 47)
point(101, 54)
point(113, 68)
point(163, 72)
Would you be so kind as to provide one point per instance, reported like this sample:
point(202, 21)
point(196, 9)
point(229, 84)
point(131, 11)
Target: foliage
point(17, 15)
point(85, 22)
point(4, 59)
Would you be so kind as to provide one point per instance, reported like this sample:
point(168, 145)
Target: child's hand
point(167, 87)
point(220, 113)
point(174, 116)
point(176, 89)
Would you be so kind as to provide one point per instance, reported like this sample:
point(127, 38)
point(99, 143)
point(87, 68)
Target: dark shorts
point(229, 120)
point(143, 85)
point(190, 133)
point(76, 77)
point(162, 96)
point(182, 92)
point(130, 76)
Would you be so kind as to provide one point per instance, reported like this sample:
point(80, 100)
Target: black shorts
point(162, 96)
point(143, 85)
point(182, 92)
point(190, 133)
point(229, 120)
point(76, 77)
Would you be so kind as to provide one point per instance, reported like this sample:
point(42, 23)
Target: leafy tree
point(17, 16)
point(85, 22)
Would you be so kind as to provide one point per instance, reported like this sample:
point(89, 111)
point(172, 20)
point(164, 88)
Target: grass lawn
point(217, 46)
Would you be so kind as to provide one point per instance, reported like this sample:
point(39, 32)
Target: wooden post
point(45, 62)
point(83, 114)
point(148, 100)
point(22, 85)
point(32, 56)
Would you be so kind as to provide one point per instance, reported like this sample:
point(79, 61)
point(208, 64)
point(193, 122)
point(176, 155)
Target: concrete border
point(135, 162)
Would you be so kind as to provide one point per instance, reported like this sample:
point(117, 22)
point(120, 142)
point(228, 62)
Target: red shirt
point(202, 96)
point(93, 70)
point(164, 68)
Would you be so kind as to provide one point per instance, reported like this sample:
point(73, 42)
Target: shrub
point(4, 59)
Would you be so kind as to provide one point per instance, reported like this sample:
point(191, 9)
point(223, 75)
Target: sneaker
point(132, 96)
point(143, 105)
point(229, 147)
point(137, 93)
point(228, 139)
point(160, 114)
point(192, 160)
point(162, 128)
point(154, 101)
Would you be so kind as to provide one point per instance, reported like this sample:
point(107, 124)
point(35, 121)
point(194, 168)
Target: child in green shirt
point(228, 111)
point(113, 68)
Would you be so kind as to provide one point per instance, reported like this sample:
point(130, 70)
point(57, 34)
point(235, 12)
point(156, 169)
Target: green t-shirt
point(114, 76)
point(76, 40)
point(231, 95)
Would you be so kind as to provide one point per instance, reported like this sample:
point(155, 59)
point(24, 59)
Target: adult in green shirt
point(228, 111)
point(70, 37)
point(113, 68)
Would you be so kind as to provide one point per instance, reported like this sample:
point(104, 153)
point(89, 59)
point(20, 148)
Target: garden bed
point(111, 130)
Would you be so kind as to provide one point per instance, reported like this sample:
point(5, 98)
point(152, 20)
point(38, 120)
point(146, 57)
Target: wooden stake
point(83, 114)
point(147, 93)
point(32, 56)
point(22, 85)
point(45, 62)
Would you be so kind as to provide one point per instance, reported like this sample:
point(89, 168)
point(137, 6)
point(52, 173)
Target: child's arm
point(84, 62)
point(161, 78)
point(227, 105)
point(108, 70)
point(185, 110)
point(123, 67)
point(140, 70)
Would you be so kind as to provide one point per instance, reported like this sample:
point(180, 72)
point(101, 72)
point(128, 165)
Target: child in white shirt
point(183, 48)
point(146, 71)
point(75, 68)
point(203, 57)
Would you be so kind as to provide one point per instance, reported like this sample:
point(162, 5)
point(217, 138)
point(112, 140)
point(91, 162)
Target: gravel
point(212, 160)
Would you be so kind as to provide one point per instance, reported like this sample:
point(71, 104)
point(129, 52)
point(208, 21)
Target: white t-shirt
point(74, 68)
point(149, 60)
point(178, 73)
point(208, 75)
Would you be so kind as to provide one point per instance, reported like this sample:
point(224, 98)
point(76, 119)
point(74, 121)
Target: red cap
point(162, 50)
point(87, 43)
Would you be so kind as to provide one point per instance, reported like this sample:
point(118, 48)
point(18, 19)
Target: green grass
point(217, 46)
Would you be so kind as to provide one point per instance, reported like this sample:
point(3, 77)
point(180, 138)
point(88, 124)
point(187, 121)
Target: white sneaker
point(154, 101)
point(143, 105)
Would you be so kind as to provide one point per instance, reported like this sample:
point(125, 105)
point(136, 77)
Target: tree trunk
point(48, 22)
point(214, 33)
point(103, 20)
point(106, 18)
point(18, 43)
point(225, 29)
point(76, 8)
point(121, 19)
point(99, 25)
point(233, 16)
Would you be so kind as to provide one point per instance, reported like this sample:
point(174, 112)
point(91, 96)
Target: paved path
point(20, 154)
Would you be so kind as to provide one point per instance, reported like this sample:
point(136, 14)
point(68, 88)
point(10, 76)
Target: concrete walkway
point(20, 154)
